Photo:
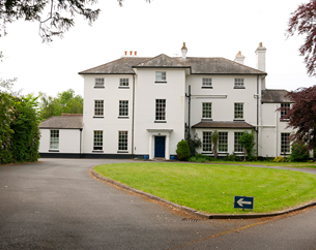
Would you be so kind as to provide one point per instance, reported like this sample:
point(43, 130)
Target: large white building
point(136, 107)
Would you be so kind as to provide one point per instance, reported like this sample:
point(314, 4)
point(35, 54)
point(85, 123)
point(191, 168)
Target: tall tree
point(54, 16)
point(302, 116)
point(65, 102)
point(303, 21)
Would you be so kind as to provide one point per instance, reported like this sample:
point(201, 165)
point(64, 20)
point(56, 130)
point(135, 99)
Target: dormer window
point(161, 76)
point(99, 83)
point(239, 83)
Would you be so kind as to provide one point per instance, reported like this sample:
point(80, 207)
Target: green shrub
point(183, 150)
point(299, 153)
point(199, 158)
point(247, 141)
point(278, 159)
point(232, 157)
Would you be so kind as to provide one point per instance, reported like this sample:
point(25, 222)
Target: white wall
point(147, 91)
point(69, 141)
point(110, 124)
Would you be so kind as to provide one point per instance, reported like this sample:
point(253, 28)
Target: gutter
point(257, 115)
point(80, 142)
point(133, 112)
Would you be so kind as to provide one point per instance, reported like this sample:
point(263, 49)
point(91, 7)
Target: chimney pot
point(239, 58)
point(126, 53)
point(135, 53)
point(131, 53)
point(184, 51)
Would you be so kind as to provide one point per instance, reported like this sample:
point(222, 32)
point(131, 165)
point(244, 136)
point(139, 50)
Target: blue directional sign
point(244, 202)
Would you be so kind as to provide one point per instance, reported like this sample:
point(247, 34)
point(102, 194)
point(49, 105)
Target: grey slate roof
point(219, 124)
point(274, 96)
point(162, 61)
point(198, 65)
point(66, 121)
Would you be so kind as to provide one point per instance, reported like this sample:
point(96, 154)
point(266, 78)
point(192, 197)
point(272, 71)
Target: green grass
point(211, 188)
point(277, 164)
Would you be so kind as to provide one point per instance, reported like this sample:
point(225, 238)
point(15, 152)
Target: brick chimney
point(239, 58)
point(184, 51)
point(261, 57)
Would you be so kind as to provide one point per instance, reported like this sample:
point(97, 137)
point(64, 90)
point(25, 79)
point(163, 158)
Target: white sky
point(210, 28)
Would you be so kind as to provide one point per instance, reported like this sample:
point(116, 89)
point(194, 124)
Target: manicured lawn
point(277, 164)
point(211, 188)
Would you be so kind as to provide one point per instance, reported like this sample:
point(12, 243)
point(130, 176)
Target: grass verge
point(211, 188)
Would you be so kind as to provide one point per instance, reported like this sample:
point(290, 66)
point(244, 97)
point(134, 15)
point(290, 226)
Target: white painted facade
point(176, 84)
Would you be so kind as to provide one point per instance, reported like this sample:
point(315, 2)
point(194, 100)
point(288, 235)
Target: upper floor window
point(207, 142)
point(123, 112)
point(207, 83)
point(237, 145)
point(124, 82)
point(161, 76)
point(54, 139)
point(99, 83)
point(207, 110)
point(239, 111)
point(98, 107)
point(160, 109)
point(285, 108)
point(122, 140)
point(98, 140)
point(239, 83)
point(285, 143)
point(223, 142)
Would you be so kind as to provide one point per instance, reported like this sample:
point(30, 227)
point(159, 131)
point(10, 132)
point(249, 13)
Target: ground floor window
point(54, 139)
point(123, 140)
point(237, 145)
point(223, 142)
point(285, 143)
point(207, 142)
point(98, 140)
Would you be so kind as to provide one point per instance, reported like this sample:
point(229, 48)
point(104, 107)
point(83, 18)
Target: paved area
point(56, 204)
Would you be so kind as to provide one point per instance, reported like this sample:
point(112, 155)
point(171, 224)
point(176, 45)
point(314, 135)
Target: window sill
point(99, 87)
point(206, 119)
point(160, 81)
point(123, 87)
point(239, 120)
point(284, 120)
point(160, 121)
point(239, 87)
point(122, 152)
point(98, 116)
point(123, 117)
point(53, 150)
point(204, 87)
point(97, 151)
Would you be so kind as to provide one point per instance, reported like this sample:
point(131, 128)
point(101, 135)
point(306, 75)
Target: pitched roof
point(198, 65)
point(219, 124)
point(66, 121)
point(274, 96)
point(162, 61)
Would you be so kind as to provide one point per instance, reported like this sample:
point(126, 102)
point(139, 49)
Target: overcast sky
point(210, 28)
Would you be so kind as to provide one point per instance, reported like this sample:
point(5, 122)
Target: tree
point(302, 116)
point(247, 141)
point(303, 21)
point(214, 139)
point(183, 150)
point(54, 16)
point(65, 102)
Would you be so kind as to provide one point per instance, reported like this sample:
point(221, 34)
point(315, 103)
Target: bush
point(199, 158)
point(183, 150)
point(232, 157)
point(299, 153)
point(247, 141)
point(278, 159)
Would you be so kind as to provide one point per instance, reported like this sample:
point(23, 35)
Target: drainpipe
point(189, 108)
point(257, 115)
point(133, 112)
point(80, 156)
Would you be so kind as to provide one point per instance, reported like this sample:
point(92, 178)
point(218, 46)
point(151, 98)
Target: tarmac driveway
point(57, 204)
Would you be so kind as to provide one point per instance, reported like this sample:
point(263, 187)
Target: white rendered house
point(138, 106)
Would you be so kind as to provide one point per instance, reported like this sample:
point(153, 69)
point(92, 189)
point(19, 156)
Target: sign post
point(244, 202)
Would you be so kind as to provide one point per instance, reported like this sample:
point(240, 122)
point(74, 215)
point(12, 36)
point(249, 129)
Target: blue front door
point(160, 146)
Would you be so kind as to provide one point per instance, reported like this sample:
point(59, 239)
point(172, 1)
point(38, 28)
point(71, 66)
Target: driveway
point(57, 204)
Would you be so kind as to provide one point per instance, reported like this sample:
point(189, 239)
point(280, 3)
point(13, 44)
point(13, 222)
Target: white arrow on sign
point(241, 202)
